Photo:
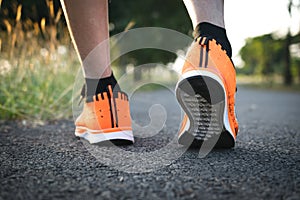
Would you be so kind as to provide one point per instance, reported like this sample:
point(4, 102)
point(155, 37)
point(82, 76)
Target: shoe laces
point(205, 39)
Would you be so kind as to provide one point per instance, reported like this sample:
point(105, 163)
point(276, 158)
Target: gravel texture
point(48, 162)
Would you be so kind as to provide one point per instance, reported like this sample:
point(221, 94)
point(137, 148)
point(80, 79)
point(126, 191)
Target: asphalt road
point(48, 162)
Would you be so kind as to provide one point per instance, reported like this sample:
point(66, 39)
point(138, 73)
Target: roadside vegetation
point(38, 63)
point(37, 69)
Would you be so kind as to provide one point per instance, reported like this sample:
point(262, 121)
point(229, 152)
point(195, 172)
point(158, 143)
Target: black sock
point(218, 33)
point(95, 86)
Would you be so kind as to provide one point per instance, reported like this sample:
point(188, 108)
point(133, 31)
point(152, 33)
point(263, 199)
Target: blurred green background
point(38, 62)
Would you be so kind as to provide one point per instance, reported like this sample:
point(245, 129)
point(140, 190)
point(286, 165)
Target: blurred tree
point(265, 55)
point(288, 78)
point(262, 55)
point(155, 13)
point(168, 13)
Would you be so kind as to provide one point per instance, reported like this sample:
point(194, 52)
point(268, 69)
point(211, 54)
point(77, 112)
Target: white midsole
point(100, 137)
point(215, 77)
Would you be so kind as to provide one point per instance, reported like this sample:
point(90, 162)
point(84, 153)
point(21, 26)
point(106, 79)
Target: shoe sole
point(207, 111)
point(94, 136)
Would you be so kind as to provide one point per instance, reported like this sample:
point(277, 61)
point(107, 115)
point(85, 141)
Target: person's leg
point(207, 85)
point(88, 24)
point(211, 11)
point(207, 17)
point(105, 114)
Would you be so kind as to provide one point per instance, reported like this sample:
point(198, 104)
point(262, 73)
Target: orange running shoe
point(206, 92)
point(105, 118)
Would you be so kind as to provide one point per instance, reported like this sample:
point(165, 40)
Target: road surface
point(48, 162)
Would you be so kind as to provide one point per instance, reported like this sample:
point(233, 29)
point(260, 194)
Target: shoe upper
point(107, 112)
point(207, 54)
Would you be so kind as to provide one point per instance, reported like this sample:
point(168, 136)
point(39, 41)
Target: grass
point(36, 70)
point(35, 88)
